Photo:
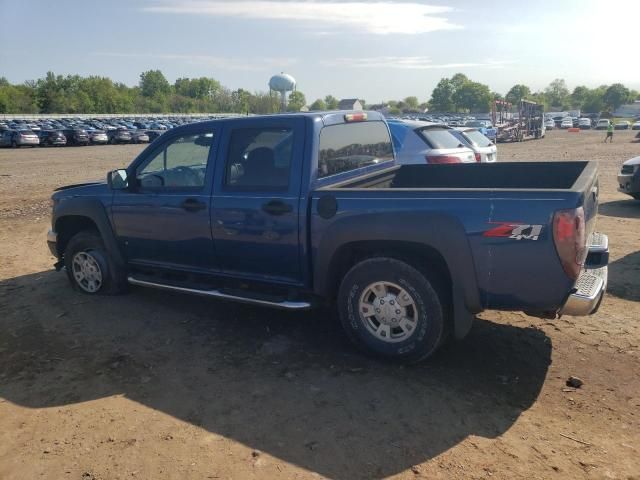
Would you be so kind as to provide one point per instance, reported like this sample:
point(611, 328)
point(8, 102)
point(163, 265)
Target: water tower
point(282, 83)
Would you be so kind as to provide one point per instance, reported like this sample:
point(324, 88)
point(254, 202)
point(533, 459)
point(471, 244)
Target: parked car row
point(585, 123)
point(95, 131)
point(418, 143)
point(484, 125)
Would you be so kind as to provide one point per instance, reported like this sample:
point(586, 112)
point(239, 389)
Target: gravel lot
point(153, 385)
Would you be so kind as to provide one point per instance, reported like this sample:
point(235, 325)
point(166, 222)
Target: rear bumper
point(587, 295)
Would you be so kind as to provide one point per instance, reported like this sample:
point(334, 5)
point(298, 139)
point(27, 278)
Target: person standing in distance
point(609, 133)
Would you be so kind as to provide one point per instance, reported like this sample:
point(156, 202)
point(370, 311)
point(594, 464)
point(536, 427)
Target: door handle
point(276, 207)
point(193, 205)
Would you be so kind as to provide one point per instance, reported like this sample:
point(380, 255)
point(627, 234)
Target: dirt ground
point(153, 385)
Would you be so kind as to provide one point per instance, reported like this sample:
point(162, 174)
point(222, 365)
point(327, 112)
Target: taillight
point(570, 239)
point(355, 117)
point(442, 159)
point(478, 157)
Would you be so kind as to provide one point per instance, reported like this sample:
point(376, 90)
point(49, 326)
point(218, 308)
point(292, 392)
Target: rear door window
point(349, 146)
point(439, 138)
point(259, 159)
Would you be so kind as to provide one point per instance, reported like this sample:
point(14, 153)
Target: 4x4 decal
point(516, 231)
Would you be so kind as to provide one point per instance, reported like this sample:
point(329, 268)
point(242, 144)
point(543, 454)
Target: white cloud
point(384, 17)
point(224, 63)
point(409, 63)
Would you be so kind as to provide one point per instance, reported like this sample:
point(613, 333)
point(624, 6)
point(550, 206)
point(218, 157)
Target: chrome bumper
point(589, 290)
point(588, 293)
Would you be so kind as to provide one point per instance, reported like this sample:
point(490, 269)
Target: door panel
point(165, 220)
point(255, 207)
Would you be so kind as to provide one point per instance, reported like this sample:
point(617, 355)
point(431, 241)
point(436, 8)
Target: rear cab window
point(347, 147)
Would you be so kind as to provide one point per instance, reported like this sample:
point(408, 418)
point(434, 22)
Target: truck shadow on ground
point(620, 208)
point(624, 277)
point(287, 384)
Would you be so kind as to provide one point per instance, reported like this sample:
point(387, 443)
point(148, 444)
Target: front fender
point(94, 210)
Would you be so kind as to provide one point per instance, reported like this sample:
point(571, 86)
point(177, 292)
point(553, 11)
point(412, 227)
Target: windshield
point(439, 138)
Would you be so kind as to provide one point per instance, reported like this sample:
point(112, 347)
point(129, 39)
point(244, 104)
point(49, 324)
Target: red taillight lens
point(355, 117)
point(478, 158)
point(570, 239)
point(442, 159)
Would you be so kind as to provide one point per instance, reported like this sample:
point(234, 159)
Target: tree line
point(155, 94)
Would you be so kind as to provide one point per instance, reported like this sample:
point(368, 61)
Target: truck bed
point(493, 176)
point(454, 208)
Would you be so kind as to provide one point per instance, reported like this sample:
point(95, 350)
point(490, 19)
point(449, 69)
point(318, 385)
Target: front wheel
point(390, 309)
point(87, 264)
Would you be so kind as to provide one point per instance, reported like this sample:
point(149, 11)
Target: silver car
point(484, 149)
point(24, 138)
point(98, 137)
point(417, 142)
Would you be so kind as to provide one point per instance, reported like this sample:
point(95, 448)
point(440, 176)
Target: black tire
point(636, 196)
point(14, 144)
point(429, 330)
point(90, 243)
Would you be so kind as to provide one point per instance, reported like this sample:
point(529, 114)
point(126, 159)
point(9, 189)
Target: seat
point(260, 170)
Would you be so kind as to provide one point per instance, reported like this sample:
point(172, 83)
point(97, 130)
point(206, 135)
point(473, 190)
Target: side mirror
point(118, 179)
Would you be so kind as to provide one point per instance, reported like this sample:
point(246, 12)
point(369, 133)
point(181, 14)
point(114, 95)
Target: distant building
point(349, 104)
point(383, 108)
point(629, 110)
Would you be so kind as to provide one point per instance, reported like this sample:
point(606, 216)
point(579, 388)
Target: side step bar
point(284, 304)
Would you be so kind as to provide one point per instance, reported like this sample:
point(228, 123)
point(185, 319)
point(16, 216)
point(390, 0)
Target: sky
point(373, 50)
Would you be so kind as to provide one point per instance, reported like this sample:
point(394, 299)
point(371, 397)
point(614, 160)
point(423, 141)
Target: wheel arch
point(79, 214)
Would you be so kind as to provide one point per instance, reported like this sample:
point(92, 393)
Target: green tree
point(442, 97)
point(200, 88)
point(318, 105)
point(593, 101)
point(473, 97)
point(458, 80)
point(331, 102)
point(296, 101)
point(578, 96)
point(557, 93)
point(411, 103)
point(241, 99)
point(153, 83)
point(517, 92)
point(616, 95)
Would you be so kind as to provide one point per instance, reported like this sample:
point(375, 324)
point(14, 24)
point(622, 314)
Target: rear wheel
point(87, 264)
point(390, 309)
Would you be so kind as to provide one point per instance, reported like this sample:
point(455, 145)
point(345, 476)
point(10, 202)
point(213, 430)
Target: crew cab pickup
point(301, 210)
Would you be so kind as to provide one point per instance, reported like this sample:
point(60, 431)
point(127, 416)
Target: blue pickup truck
point(302, 210)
